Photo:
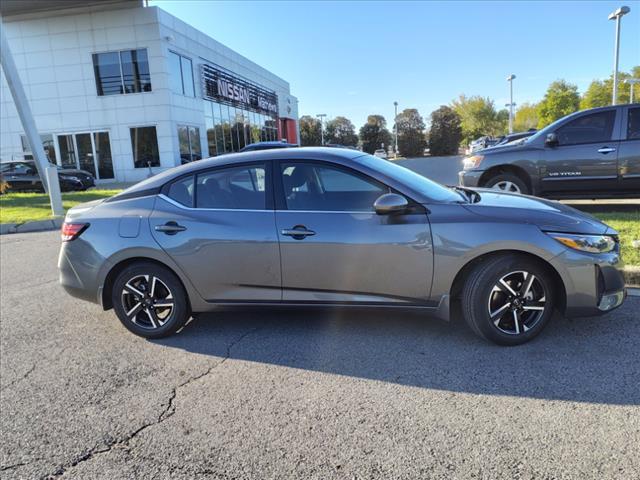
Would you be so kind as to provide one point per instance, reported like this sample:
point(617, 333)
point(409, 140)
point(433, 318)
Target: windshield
point(413, 180)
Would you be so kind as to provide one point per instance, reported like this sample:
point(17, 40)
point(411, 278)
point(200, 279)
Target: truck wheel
point(508, 182)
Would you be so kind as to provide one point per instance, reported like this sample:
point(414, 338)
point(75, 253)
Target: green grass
point(26, 207)
point(628, 225)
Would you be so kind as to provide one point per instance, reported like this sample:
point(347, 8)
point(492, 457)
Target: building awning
point(9, 8)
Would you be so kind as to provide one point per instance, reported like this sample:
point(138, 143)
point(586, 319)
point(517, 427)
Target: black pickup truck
point(588, 154)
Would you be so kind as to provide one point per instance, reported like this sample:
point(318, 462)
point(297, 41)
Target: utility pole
point(510, 79)
point(617, 15)
point(395, 129)
point(321, 117)
point(631, 82)
point(48, 174)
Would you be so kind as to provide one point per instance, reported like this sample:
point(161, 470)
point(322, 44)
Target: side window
point(593, 128)
point(633, 124)
point(182, 191)
point(309, 186)
point(234, 188)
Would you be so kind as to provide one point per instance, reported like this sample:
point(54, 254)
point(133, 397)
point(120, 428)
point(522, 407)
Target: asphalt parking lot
point(304, 394)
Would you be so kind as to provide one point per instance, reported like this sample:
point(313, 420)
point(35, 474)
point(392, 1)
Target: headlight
point(586, 243)
point(472, 162)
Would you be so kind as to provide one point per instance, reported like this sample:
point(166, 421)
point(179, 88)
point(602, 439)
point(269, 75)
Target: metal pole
point(614, 100)
point(631, 93)
point(395, 128)
point(511, 106)
point(321, 117)
point(29, 124)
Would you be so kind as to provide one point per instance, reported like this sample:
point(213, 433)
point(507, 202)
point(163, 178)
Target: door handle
point(170, 228)
point(606, 150)
point(299, 232)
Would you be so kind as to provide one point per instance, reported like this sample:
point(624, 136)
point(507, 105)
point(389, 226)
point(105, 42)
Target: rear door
point(586, 157)
point(336, 249)
point(219, 227)
point(629, 152)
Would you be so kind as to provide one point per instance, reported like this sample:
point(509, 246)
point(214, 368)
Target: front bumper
point(470, 178)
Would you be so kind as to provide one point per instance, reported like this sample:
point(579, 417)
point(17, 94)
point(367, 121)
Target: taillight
point(71, 231)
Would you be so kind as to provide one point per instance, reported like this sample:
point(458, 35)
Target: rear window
point(182, 191)
point(633, 125)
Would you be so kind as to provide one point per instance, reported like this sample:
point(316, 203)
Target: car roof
point(302, 153)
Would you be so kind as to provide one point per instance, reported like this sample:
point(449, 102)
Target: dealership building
point(123, 90)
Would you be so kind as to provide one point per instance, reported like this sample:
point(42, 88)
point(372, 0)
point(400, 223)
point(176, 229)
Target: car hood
point(548, 215)
point(507, 147)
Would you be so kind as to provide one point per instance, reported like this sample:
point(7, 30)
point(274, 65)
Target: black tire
point(510, 179)
point(484, 294)
point(153, 318)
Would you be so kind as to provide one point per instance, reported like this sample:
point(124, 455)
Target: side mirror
point(30, 171)
point(391, 204)
point(551, 140)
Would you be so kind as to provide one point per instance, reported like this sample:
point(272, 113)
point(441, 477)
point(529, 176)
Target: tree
point(560, 99)
point(478, 117)
point(310, 133)
point(374, 134)
point(341, 131)
point(411, 139)
point(526, 118)
point(446, 131)
point(599, 93)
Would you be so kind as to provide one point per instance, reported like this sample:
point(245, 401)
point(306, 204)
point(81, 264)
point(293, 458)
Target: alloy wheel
point(506, 186)
point(147, 301)
point(517, 302)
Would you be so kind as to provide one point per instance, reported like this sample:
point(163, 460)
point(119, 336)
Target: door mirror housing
point(391, 204)
point(551, 140)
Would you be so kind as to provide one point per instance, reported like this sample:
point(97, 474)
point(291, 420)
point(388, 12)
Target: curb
point(37, 226)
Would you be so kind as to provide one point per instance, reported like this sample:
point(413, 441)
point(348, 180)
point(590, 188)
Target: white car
point(381, 153)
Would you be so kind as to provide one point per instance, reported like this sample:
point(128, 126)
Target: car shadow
point(586, 360)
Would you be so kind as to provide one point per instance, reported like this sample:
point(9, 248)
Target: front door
point(585, 159)
point(223, 237)
point(336, 249)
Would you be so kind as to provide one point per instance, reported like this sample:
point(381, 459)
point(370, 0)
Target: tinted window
point(144, 144)
point(633, 125)
point(593, 128)
point(182, 191)
point(126, 71)
point(175, 73)
point(236, 188)
point(326, 188)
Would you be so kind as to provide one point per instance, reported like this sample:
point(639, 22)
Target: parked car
point(481, 143)
point(338, 228)
point(514, 137)
point(589, 154)
point(380, 153)
point(266, 146)
point(22, 175)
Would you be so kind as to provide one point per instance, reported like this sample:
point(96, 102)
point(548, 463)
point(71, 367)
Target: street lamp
point(321, 117)
point(510, 79)
point(395, 129)
point(631, 82)
point(617, 15)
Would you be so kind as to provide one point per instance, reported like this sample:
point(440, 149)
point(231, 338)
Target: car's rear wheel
point(149, 300)
point(508, 182)
point(508, 299)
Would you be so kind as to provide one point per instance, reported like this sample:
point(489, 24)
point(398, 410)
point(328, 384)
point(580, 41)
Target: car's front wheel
point(508, 299)
point(149, 300)
point(508, 182)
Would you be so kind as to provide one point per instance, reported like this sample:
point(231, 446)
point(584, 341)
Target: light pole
point(631, 82)
point(617, 15)
point(510, 79)
point(395, 129)
point(321, 117)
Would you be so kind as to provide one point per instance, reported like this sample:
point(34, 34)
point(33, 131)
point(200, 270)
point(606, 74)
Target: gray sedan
point(337, 228)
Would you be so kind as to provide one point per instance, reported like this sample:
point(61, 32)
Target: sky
point(356, 58)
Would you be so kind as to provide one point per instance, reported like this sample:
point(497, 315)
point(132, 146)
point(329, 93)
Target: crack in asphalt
point(166, 413)
point(31, 370)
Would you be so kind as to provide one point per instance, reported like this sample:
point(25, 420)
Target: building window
point(47, 144)
point(189, 139)
point(181, 74)
point(144, 144)
point(126, 71)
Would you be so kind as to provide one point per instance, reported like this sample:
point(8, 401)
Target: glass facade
point(230, 128)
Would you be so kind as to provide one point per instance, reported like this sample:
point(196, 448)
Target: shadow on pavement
point(586, 360)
